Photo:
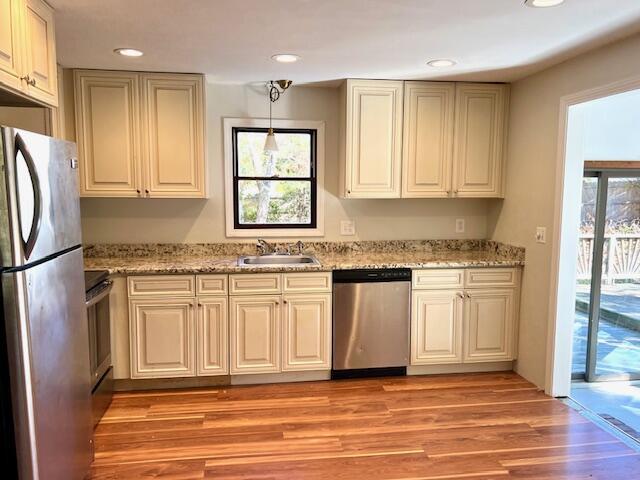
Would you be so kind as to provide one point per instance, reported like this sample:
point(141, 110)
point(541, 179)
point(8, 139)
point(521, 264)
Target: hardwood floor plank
point(479, 426)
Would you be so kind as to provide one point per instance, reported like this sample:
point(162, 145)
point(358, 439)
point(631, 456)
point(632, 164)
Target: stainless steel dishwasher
point(371, 314)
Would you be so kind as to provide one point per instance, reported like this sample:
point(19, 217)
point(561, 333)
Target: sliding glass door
point(607, 328)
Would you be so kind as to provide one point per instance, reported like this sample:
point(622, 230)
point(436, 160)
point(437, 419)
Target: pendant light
point(270, 144)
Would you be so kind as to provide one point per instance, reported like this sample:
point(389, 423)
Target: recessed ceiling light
point(285, 57)
point(441, 63)
point(543, 3)
point(128, 52)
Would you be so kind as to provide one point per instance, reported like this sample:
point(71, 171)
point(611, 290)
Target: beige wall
point(193, 221)
point(531, 171)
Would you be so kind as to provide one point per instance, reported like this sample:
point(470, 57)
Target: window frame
point(233, 228)
point(312, 179)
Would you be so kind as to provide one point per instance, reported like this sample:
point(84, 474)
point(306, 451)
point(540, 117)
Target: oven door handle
point(103, 293)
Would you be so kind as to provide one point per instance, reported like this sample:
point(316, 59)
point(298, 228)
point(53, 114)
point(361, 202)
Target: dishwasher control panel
point(372, 275)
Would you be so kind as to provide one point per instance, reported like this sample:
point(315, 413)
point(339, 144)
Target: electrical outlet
point(541, 234)
point(347, 227)
point(459, 225)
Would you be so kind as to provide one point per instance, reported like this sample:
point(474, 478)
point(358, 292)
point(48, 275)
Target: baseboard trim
point(284, 377)
point(460, 368)
point(132, 384)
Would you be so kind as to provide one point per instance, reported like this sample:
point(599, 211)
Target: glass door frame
point(603, 176)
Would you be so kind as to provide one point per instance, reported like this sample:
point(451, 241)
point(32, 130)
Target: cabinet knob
point(26, 78)
point(277, 302)
point(32, 82)
point(284, 301)
point(138, 190)
point(460, 295)
point(146, 191)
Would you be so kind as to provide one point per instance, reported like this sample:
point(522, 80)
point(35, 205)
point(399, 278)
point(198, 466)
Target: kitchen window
point(274, 193)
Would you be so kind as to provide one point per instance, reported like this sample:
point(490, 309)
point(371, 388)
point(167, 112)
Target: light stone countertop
point(184, 264)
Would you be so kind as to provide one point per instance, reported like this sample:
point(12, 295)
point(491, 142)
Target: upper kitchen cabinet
point(10, 41)
point(107, 133)
point(371, 139)
point(428, 139)
point(27, 50)
point(480, 134)
point(173, 135)
point(140, 135)
point(40, 58)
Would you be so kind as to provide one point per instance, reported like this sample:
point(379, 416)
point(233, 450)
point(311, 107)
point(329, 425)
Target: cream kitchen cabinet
point(427, 157)
point(108, 133)
point(371, 139)
point(140, 135)
point(306, 332)
point(489, 325)
point(27, 50)
point(479, 139)
point(255, 334)
point(422, 139)
point(280, 322)
point(178, 325)
point(162, 336)
point(436, 327)
point(471, 317)
point(212, 336)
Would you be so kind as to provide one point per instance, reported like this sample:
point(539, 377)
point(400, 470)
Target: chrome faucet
point(263, 247)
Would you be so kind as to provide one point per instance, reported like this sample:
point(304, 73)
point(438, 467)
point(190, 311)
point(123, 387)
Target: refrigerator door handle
point(30, 242)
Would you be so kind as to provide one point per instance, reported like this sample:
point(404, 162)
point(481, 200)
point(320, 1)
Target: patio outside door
point(607, 327)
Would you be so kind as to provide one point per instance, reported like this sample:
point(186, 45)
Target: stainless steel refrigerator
point(44, 370)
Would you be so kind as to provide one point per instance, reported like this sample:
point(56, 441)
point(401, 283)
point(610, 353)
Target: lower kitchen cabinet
point(306, 332)
point(436, 327)
point(255, 334)
point(464, 316)
point(489, 325)
point(212, 336)
point(162, 336)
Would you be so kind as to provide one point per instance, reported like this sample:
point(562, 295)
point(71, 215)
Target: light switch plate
point(541, 234)
point(347, 227)
point(459, 225)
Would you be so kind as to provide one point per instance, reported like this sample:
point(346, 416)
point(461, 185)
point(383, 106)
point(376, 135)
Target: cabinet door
point(10, 41)
point(162, 337)
point(213, 336)
point(436, 327)
point(480, 134)
point(307, 332)
point(255, 334)
point(373, 139)
point(106, 105)
point(489, 325)
point(427, 151)
point(173, 116)
point(41, 52)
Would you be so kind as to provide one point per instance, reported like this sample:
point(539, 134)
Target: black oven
point(98, 286)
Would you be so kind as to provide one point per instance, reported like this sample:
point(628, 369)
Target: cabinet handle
point(277, 302)
point(284, 301)
point(146, 191)
point(138, 190)
point(199, 304)
point(32, 82)
point(460, 295)
point(26, 78)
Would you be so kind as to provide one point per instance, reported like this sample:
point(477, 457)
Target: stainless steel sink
point(277, 260)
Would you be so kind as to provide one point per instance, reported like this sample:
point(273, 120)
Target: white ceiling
point(233, 40)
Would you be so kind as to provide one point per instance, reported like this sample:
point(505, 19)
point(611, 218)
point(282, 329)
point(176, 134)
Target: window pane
point(293, 158)
point(265, 202)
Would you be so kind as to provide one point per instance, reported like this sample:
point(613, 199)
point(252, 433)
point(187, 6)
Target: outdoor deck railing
point(621, 257)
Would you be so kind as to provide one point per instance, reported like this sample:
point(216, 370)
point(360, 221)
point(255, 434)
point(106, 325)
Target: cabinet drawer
point(174, 285)
point(435, 279)
point(491, 277)
point(212, 284)
point(255, 283)
point(306, 282)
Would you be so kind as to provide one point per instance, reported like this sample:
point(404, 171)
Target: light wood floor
point(481, 426)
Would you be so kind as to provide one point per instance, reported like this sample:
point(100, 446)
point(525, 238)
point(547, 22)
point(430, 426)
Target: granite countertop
point(179, 260)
